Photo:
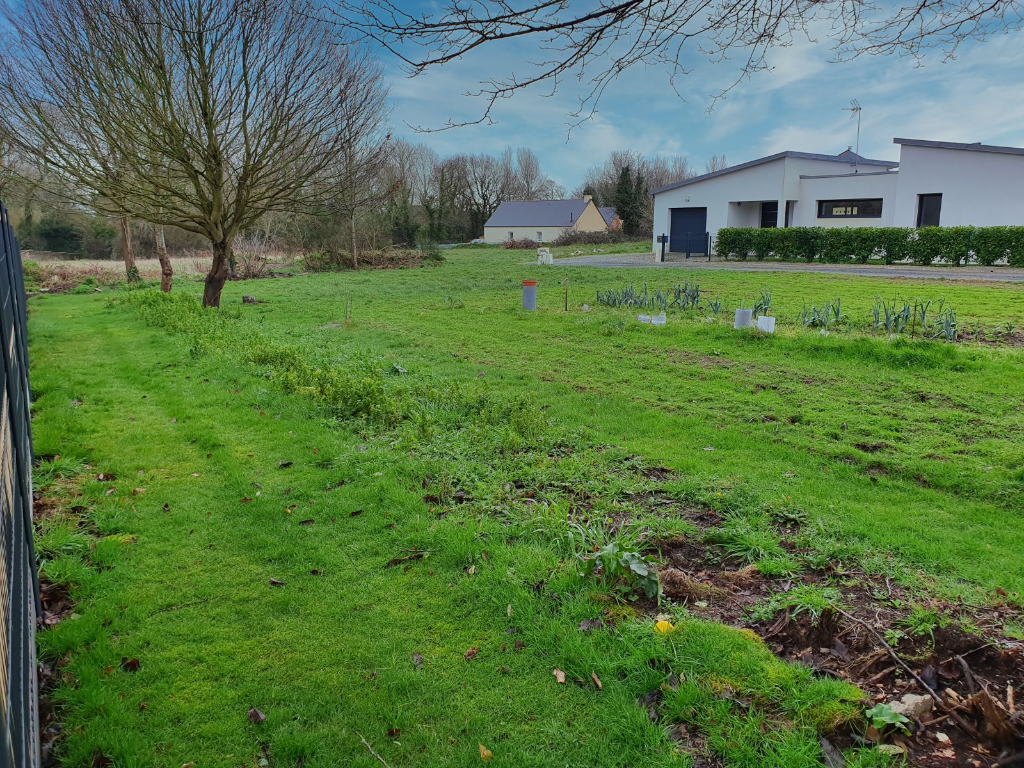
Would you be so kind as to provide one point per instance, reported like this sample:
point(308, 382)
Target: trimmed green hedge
point(838, 245)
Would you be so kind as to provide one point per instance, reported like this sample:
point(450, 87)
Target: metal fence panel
point(19, 585)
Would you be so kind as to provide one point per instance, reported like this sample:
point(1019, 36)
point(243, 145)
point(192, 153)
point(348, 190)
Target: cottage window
point(869, 208)
point(540, 236)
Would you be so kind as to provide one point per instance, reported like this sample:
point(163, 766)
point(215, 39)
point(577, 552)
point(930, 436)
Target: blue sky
point(798, 105)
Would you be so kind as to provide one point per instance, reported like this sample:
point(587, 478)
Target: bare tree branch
point(595, 42)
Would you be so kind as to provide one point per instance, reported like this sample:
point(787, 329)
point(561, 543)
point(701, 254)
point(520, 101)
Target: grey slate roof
point(957, 145)
point(608, 214)
point(537, 213)
point(847, 156)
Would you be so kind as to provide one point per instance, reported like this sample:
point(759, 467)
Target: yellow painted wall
point(591, 220)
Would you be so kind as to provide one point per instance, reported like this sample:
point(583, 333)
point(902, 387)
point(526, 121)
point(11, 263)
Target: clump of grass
point(50, 471)
point(779, 567)
point(747, 538)
point(813, 599)
point(922, 621)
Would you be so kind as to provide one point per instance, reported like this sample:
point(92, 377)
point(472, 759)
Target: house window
point(769, 215)
point(869, 208)
point(511, 235)
point(540, 236)
point(929, 207)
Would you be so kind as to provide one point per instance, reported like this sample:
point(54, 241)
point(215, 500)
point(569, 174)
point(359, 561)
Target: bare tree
point(532, 183)
point(364, 151)
point(198, 114)
point(657, 171)
point(716, 163)
point(595, 42)
point(486, 184)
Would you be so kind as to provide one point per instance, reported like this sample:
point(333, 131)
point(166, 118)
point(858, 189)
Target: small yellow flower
point(664, 627)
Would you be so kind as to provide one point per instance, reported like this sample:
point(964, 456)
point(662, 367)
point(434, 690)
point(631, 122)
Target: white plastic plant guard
point(658, 320)
point(644, 318)
point(743, 318)
point(766, 324)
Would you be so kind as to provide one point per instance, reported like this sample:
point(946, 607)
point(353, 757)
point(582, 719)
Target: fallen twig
point(179, 606)
point(972, 686)
point(895, 657)
point(880, 675)
point(414, 554)
point(367, 745)
point(970, 652)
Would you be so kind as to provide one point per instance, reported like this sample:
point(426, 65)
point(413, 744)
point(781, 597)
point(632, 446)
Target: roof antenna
point(854, 110)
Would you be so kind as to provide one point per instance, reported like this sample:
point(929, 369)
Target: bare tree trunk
point(218, 274)
point(355, 245)
point(130, 270)
point(166, 271)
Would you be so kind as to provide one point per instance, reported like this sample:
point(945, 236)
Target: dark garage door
point(688, 225)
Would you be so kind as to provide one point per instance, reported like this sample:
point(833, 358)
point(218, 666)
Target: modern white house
point(935, 183)
point(544, 220)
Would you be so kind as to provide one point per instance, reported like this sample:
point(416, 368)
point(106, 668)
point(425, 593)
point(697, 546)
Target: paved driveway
point(996, 274)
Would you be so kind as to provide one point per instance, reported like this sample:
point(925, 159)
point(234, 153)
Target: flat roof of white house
point(848, 157)
point(976, 147)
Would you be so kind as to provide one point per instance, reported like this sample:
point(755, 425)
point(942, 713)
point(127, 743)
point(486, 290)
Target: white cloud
point(798, 105)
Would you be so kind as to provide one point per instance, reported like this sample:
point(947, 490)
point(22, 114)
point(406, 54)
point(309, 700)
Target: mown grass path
point(322, 656)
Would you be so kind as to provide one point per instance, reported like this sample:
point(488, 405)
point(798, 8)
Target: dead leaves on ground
point(559, 676)
point(414, 554)
point(255, 716)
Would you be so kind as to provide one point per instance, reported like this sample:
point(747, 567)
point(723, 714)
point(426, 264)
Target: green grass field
point(409, 452)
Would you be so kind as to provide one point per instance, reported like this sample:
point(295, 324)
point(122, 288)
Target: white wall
point(861, 186)
point(978, 188)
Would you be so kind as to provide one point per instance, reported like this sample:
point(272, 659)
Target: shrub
point(990, 244)
point(841, 245)
point(949, 243)
point(525, 244)
point(388, 258)
point(324, 261)
point(797, 242)
point(572, 237)
point(252, 254)
point(735, 242)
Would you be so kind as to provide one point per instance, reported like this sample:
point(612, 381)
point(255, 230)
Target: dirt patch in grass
point(876, 628)
point(685, 357)
point(692, 743)
point(872, 447)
